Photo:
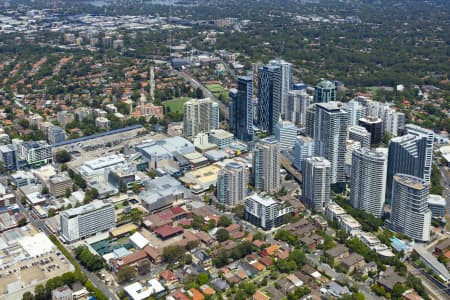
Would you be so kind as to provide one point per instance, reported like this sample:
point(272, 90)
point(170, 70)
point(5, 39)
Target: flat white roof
point(139, 240)
point(436, 200)
point(266, 201)
point(37, 244)
point(139, 292)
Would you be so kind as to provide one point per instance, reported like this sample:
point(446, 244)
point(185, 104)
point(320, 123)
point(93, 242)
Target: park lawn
point(218, 90)
point(176, 104)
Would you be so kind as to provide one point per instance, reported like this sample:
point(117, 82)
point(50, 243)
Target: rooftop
point(265, 201)
point(410, 181)
point(94, 205)
point(436, 200)
point(326, 84)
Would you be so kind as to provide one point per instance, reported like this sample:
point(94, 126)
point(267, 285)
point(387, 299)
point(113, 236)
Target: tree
point(51, 212)
point(173, 253)
point(62, 156)
point(123, 187)
point(222, 235)
point(44, 190)
point(136, 188)
point(22, 222)
point(224, 221)
point(67, 193)
point(152, 173)
point(40, 293)
point(144, 267)
point(202, 278)
point(27, 296)
point(126, 274)
point(259, 236)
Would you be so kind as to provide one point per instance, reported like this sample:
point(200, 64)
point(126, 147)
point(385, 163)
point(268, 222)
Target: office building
point(303, 148)
point(287, 80)
point(221, 138)
point(232, 183)
point(241, 109)
point(200, 115)
point(316, 183)
point(265, 212)
point(368, 180)
point(373, 125)
point(56, 134)
point(35, 153)
point(269, 97)
point(81, 222)
point(266, 165)
point(298, 102)
point(359, 134)
point(325, 91)
point(58, 184)
point(409, 154)
point(285, 134)
point(330, 136)
point(437, 205)
point(355, 111)
point(410, 214)
point(8, 156)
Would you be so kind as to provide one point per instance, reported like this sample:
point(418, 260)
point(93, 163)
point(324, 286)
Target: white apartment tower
point(316, 183)
point(232, 184)
point(410, 214)
point(266, 165)
point(330, 136)
point(200, 115)
point(368, 180)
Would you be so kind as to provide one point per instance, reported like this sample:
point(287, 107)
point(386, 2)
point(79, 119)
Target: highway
point(196, 84)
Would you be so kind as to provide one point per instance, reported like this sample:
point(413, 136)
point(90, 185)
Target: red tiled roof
point(233, 227)
point(167, 230)
point(177, 210)
point(266, 260)
point(167, 275)
point(153, 253)
point(178, 295)
point(134, 257)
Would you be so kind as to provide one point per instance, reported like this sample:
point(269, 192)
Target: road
point(287, 164)
point(434, 291)
point(445, 181)
point(196, 84)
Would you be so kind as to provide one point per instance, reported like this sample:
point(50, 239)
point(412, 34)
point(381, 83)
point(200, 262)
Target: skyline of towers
point(368, 180)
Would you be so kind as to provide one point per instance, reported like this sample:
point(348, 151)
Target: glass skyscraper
point(241, 109)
